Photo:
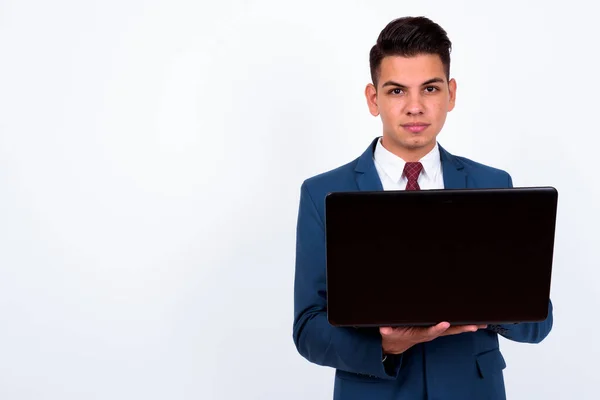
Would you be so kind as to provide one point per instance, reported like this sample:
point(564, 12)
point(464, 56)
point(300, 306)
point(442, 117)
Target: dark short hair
point(409, 37)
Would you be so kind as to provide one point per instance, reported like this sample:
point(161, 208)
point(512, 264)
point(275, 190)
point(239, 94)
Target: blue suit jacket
point(462, 367)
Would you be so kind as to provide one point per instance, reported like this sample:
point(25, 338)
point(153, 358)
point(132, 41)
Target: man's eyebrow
point(434, 80)
point(401, 86)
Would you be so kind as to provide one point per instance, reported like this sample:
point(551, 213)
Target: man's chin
point(411, 144)
point(417, 144)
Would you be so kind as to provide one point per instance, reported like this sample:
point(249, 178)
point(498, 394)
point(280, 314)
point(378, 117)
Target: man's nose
point(415, 105)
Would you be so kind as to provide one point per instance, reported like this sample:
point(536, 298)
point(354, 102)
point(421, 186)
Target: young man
point(412, 92)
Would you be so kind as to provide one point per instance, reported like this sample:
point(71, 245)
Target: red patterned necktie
point(412, 171)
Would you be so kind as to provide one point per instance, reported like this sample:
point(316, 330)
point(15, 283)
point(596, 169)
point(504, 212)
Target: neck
point(406, 153)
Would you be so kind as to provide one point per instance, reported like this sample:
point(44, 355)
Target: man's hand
point(398, 340)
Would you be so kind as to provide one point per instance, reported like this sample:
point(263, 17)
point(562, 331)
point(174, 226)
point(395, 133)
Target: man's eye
point(431, 89)
point(396, 91)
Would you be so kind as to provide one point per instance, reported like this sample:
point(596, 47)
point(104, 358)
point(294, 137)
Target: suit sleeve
point(529, 332)
point(355, 350)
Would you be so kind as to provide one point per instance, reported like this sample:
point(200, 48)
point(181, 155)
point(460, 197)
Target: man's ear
point(371, 95)
point(452, 90)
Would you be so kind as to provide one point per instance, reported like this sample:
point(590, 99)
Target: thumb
point(386, 330)
point(438, 329)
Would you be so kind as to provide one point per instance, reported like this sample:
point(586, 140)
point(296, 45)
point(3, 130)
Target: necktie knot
point(412, 171)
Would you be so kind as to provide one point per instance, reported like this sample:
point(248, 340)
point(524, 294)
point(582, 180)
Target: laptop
point(417, 258)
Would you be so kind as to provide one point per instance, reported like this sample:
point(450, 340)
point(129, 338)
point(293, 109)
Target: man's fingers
point(419, 334)
point(455, 330)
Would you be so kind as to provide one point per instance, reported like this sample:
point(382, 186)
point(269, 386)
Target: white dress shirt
point(390, 168)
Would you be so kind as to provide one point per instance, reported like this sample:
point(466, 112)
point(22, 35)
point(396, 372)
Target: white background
point(151, 155)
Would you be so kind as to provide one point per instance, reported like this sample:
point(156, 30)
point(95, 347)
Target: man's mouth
point(415, 127)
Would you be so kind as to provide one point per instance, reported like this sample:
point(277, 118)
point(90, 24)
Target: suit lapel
point(367, 178)
point(453, 171)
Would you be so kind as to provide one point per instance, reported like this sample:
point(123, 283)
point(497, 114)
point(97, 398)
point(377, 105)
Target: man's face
point(413, 97)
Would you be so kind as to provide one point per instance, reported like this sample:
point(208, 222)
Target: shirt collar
point(393, 166)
